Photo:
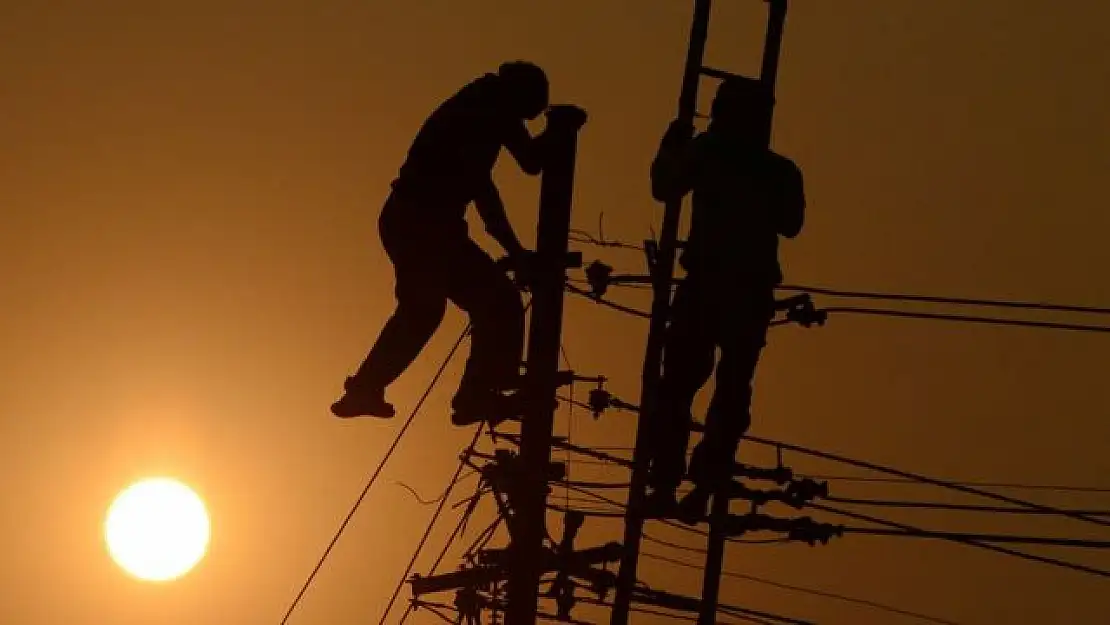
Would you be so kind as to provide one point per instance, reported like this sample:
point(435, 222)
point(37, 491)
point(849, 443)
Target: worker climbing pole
point(520, 481)
point(662, 270)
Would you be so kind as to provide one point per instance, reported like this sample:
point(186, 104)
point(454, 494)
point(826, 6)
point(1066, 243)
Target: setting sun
point(157, 529)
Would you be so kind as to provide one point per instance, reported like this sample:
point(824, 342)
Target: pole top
point(567, 115)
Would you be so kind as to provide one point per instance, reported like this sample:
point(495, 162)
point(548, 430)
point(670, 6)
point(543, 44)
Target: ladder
point(662, 278)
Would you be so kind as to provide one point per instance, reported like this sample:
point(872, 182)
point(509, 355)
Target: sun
point(157, 529)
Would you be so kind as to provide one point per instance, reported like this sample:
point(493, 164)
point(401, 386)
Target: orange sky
point(189, 267)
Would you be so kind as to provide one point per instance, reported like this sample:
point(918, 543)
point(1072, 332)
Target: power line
point(808, 591)
point(672, 545)
point(921, 478)
point(975, 543)
point(640, 609)
point(585, 237)
point(935, 505)
point(668, 522)
point(581, 236)
point(1063, 488)
point(604, 302)
point(428, 502)
point(1049, 325)
point(597, 513)
point(935, 299)
point(377, 472)
point(991, 538)
point(452, 483)
point(878, 312)
point(443, 553)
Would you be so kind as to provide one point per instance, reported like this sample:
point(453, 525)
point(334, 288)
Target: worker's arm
point(526, 149)
point(492, 211)
point(792, 200)
point(672, 171)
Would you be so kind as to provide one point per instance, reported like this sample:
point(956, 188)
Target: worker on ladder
point(424, 232)
point(745, 197)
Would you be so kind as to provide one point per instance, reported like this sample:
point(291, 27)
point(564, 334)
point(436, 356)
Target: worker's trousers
point(707, 314)
point(434, 263)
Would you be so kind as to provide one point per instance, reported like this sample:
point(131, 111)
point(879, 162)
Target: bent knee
point(421, 306)
point(505, 297)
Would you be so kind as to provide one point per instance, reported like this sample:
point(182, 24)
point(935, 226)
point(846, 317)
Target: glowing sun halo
point(157, 529)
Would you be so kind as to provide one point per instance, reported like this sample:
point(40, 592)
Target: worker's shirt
point(454, 153)
point(741, 199)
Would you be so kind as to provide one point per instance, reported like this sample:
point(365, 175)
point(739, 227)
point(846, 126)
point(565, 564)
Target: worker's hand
point(678, 132)
point(520, 263)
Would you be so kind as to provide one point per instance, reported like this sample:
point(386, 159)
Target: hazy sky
point(189, 267)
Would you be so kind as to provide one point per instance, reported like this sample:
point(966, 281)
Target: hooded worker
point(424, 232)
point(745, 197)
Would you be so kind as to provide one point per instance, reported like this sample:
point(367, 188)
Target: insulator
point(599, 400)
point(597, 274)
point(806, 489)
point(806, 315)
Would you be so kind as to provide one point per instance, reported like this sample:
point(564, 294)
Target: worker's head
point(527, 88)
point(741, 105)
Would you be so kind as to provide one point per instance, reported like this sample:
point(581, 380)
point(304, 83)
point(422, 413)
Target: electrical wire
point(478, 543)
point(570, 420)
point(809, 591)
point(997, 321)
point(934, 299)
point(1062, 488)
point(990, 538)
point(580, 236)
point(672, 545)
point(934, 505)
point(967, 541)
point(604, 302)
point(377, 472)
point(427, 502)
point(928, 480)
point(454, 481)
point(597, 513)
point(640, 609)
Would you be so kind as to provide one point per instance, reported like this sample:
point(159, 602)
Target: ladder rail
point(662, 274)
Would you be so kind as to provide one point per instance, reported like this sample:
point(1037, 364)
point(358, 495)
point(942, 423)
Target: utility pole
point(547, 280)
point(662, 273)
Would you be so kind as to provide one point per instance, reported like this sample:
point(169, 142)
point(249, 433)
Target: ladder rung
point(719, 74)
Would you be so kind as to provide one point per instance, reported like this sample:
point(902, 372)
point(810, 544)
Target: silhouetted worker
point(744, 198)
point(424, 232)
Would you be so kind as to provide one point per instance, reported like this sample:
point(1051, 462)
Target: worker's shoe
point(362, 402)
point(491, 406)
point(693, 507)
point(494, 407)
point(661, 504)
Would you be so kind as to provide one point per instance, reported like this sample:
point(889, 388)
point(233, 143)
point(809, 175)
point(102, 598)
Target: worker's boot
point(474, 406)
point(693, 507)
point(661, 503)
point(362, 401)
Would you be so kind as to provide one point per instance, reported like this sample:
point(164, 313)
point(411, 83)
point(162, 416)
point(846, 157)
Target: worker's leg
point(483, 290)
point(743, 337)
point(688, 358)
point(421, 294)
